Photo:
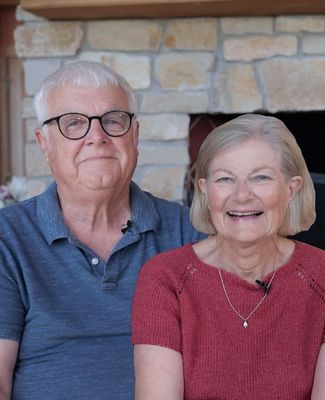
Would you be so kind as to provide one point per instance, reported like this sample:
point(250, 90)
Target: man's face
point(97, 161)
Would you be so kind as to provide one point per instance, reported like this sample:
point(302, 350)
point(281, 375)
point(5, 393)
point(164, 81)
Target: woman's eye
point(224, 179)
point(261, 177)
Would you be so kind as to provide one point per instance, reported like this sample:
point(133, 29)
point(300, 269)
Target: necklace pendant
point(245, 324)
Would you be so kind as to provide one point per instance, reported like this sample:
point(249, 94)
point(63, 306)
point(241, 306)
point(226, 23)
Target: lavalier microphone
point(263, 285)
point(126, 227)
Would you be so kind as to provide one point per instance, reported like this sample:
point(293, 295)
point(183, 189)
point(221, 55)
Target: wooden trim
point(16, 123)
point(4, 137)
point(99, 9)
point(12, 141)
point(8, 3)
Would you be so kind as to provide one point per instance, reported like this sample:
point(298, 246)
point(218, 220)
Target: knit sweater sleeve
point(156, 311)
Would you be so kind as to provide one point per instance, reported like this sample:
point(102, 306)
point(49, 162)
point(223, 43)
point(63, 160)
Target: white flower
point(13, 192)
point(17, 187)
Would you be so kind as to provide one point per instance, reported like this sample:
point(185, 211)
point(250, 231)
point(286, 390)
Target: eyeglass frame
point(98, 117)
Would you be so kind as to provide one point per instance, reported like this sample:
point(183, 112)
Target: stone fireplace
point(180, 67)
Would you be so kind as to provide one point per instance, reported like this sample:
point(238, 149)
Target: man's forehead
point(75, 98)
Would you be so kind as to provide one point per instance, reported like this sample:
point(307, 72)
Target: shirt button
point(94, 261)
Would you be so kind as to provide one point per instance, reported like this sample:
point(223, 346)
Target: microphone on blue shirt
point(126, 227)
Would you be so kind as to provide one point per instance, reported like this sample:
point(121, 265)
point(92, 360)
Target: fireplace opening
point(309, 131)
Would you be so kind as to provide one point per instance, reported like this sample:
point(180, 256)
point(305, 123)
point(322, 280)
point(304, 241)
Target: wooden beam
point(8, 3)
point(100, 9)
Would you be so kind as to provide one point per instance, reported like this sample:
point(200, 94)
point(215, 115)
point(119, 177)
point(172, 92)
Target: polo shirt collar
point(144, 214)
point(49, 215)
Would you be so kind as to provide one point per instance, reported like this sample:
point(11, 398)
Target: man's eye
point(112, 121)
point(74, 123)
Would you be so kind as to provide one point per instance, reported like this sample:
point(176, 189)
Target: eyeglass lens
point(76, 125)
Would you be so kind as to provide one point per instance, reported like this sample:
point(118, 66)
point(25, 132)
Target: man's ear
point(136, 133)
point(42, 141)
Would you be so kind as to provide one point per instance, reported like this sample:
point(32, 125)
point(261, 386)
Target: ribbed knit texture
point(180, 304)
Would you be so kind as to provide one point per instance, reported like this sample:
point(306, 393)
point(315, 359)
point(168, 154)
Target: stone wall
point(180, 67)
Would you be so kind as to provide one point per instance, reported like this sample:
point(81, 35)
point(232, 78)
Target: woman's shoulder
point(310, 261)
point(311, 253)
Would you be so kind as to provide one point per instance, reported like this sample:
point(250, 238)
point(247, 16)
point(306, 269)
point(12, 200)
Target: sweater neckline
point(282, 271)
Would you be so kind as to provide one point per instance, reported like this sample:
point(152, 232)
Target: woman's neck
point(250, 262)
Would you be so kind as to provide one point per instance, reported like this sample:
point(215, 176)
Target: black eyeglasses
point(75, 126)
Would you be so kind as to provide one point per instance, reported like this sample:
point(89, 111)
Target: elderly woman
point(240, 314)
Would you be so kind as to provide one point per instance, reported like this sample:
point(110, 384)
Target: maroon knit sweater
point(180, 304)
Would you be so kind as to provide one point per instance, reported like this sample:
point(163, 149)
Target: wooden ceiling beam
point(100, 9)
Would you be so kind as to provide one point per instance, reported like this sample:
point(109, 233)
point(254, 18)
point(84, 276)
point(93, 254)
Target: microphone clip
point(126, 227)
point(263, 285)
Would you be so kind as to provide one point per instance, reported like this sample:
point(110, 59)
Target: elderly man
point(69, 258)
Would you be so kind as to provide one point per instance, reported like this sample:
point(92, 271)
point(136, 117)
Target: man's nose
point(96, 133)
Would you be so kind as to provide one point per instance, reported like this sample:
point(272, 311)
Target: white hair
point(81, 74)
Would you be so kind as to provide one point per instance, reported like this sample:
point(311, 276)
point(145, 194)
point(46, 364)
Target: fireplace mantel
point(100, 9)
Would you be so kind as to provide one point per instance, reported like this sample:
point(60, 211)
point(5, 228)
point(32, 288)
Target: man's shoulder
point(162, 205)
point(169, 205)
point(15, 212)
point(149, 206)
point(20, 219)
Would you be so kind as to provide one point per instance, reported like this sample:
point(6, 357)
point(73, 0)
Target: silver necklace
point(245, 319)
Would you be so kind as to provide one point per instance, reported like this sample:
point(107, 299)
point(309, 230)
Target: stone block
point(259, 47)
point(189, 102)
point(237, 90)
point(126, 35)
point(303, 23)
point(48, 39)
point(242, 25)
point(36, 164)
point(135, 69)
point(313, 44)
point(36, 71)
point(184, 71)
point(163, 153)
point(191, 34)
point(164, 126)
point(293, 85)
point(165, 182)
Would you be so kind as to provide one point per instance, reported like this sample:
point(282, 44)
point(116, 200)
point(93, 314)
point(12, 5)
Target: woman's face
point(247, 193)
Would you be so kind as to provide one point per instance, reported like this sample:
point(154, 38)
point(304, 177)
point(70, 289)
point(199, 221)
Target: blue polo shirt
point(69, 309)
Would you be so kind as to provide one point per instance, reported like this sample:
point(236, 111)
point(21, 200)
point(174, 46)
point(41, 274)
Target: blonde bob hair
point(301, 213)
